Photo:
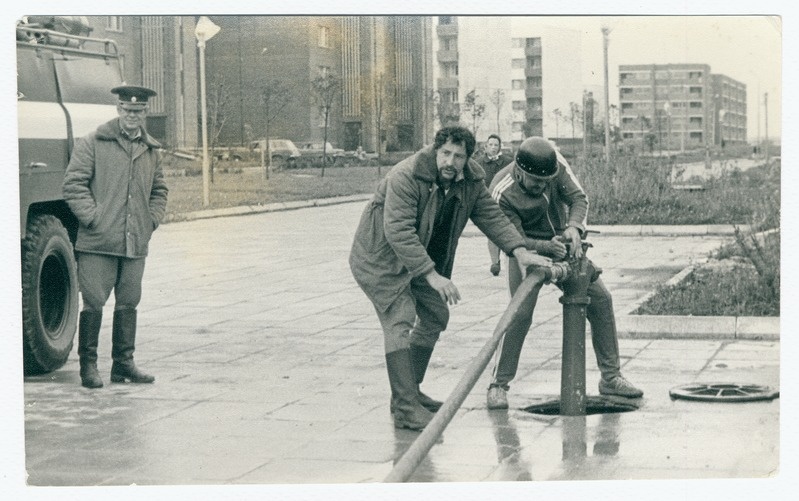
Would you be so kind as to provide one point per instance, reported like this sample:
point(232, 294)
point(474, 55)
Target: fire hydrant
point(575, 300)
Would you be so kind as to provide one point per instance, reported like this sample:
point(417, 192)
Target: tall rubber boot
point(88, 337)
point(123, 337)
point(420, 358)
point(408, 412)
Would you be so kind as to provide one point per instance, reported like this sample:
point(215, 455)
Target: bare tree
point(327, 91)
point(498, 100)
point(474, 109)
point(384, 89)
point(575, 117)
point(275, 96)
point(217, 104)
point(558, 117)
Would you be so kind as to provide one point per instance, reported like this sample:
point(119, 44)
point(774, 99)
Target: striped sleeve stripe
point(501, 186)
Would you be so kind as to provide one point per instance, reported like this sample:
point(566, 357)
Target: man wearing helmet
point(541, 196)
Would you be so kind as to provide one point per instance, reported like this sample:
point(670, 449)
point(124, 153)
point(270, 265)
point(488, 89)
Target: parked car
point(313, 151)
point(283, 151)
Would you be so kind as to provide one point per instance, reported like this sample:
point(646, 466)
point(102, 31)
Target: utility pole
point(605, 33)
point(765, 104)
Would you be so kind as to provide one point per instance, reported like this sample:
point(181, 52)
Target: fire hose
point(527, 290)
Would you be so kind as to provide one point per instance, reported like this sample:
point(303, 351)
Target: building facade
point(680, 106)
point(524, 73)
point(379, 64)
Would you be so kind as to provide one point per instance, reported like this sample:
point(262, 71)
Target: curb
point(689, 327)
point(243, 210)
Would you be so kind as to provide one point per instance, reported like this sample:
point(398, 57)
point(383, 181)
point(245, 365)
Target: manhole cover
point(724, 392)
point(593, 405)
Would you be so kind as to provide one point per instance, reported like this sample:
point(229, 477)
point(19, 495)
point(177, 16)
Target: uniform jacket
point(390, 243)
point(116, 189)
point(491, 167)
point(563, 203)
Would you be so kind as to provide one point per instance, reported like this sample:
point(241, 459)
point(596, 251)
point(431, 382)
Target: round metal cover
point(724, 392)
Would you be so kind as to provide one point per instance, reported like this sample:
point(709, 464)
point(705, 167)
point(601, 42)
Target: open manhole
point(724, 392)
point(593, 405)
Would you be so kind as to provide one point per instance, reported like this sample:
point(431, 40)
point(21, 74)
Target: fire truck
point(64, 78)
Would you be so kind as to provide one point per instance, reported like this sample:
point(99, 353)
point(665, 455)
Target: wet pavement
point(269, 370)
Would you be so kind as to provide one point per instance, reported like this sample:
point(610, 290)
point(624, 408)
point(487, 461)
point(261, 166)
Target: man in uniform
point(115, 187)
point(403, 253)
point(540, 194)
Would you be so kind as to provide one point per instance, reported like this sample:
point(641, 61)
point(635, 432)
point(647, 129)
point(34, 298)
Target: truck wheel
point(49, 295)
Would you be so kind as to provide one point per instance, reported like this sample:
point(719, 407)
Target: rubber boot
point(420, 358)
point(88, 337)
point(408, 412)
point(123, 337)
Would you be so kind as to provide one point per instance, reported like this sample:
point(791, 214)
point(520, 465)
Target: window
point(519, 106)
point(450, 70)
point(517, 126)
point(626, 106)
point(534, 62)
point(324, 36)
point(534, 42)
point(517, 84)
point(450, 43)
point(517, 43)
point(517, 63)
point(114, 23)
point(445, 20)
point(323, 70)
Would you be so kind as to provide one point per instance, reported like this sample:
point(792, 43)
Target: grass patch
point(246, 186)
point(735, 290)
point(634, 190)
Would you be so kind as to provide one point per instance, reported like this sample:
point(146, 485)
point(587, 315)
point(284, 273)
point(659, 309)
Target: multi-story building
point(381, 64)
point(680, 106)
point(525, 74)
point(729, 110)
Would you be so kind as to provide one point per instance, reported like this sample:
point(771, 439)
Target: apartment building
point(525, 73)
point(680, 106)
point(381, 63)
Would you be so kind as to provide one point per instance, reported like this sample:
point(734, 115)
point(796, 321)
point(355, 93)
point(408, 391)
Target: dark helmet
point(536, 156)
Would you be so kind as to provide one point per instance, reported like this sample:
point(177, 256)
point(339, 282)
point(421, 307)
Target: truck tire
point(49, 295)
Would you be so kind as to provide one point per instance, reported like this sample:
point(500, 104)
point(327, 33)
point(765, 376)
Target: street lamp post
point(204, 31)
point(605, 33)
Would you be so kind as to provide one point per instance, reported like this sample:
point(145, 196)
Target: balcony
point(532, 51)
point(533, 92)
point(534, 113)
point(448, 83)
point(532, 72)
point(447, 56)
point(447, 30)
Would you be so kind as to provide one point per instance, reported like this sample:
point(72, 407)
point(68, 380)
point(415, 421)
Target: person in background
point(541, 195)
point(403, 253)
point(492, 160)
point(115, 186)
